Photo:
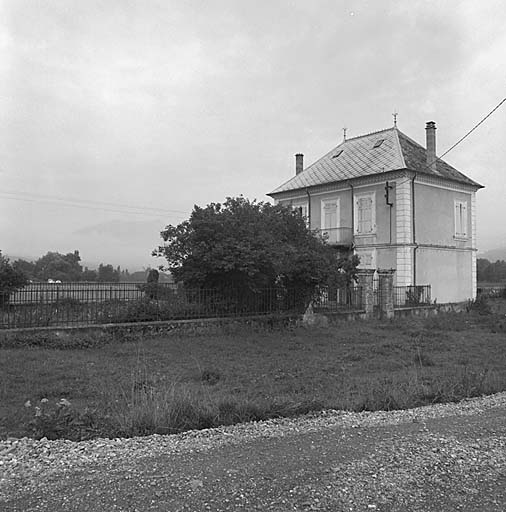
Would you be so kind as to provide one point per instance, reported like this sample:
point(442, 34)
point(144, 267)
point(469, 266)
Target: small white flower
point(44, 400)
point(64, 402)
point(28, 403)
point(38, 412)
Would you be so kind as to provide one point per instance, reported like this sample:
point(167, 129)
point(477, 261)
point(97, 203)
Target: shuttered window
point(330, 214)
point(461, 219)
point(365, 215)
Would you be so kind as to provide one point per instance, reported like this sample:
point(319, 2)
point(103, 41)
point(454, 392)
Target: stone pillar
point(365, 278)
point(386, 292)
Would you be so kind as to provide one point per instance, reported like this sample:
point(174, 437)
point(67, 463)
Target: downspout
point(414, 227)
point(308, 207)
point(352, 215)
point(387, 198)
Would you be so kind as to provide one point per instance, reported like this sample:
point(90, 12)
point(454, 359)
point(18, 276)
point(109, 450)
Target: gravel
point(396, 457)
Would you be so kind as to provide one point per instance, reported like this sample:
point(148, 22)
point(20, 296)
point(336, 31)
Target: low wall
point(328, 318)
point(194, 326)
point(209, 325)
point(433, 309)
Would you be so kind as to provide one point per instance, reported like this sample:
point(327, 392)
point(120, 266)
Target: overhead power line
point(89, 207)
point(88, 204)
point(473, 128)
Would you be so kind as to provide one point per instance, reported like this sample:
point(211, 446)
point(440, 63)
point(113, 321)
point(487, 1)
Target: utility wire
point(88, 207)
point(88, 201)
point(428, 166)
point(473, 128)
point(153, 211)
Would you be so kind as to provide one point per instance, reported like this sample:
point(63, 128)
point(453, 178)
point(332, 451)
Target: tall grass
point(172, 406)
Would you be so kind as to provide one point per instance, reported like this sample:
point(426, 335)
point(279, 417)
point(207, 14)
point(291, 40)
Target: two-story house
point(397, 206)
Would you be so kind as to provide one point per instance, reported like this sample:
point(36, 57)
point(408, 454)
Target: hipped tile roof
point(357, 157)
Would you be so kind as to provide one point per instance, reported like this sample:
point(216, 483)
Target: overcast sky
point(167, 104)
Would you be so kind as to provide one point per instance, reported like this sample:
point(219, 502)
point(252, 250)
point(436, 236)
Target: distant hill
point(494, 254)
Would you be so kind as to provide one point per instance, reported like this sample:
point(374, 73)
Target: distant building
point(396, 205)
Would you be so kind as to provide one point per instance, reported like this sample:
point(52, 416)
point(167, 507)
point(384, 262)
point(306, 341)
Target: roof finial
point(344, 133)
point(395, 114)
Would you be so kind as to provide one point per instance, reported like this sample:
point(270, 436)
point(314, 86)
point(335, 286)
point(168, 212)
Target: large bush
point(246, 245)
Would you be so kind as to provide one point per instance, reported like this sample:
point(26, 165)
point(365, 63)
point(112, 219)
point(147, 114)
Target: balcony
point(338, 236)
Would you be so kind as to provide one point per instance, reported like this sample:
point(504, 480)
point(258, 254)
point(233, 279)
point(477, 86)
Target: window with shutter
point(330, 214)
point(365, 215)
point(461, 219)
point(330, 220)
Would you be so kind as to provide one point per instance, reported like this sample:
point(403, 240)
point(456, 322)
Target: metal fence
point(337, 299)
point(410, 296)
point(63, 304)
point(81, 291)
point(404, 296)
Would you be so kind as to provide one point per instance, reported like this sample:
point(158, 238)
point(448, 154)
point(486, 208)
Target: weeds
point(210, 377)
point(480, 305)
point(417, 388)
point(422, 358)
point(58, 419)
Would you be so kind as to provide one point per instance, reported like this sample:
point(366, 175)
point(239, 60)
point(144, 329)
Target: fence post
point(386, 291)
point(365, 281)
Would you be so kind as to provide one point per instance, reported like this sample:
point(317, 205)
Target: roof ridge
point(412, 140)
point(399, 148)
point(369, 134)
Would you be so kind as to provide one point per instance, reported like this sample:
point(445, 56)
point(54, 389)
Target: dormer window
point(378, 143)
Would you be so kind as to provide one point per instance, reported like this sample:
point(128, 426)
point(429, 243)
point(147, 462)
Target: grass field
point(175, 383)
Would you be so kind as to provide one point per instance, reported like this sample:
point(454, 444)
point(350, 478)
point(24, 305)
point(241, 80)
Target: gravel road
point(437, 458)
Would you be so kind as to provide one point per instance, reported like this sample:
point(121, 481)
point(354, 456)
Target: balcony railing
point(338, 236)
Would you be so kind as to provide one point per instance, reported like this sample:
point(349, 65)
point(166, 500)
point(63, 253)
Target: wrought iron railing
point(337, 299)
point(62, 304)
point(410, 296)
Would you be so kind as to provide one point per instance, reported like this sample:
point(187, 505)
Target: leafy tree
point(247, 245)
point(346, 273)
point(481, 266)
point(89, 275)
point(64, 267)
point(25, 267)
point(107, 274)
point(10, 280)
point(491, 272)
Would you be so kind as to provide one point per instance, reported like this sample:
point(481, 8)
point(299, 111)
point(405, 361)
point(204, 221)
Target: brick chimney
point(430, 132)
point(299, 163)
